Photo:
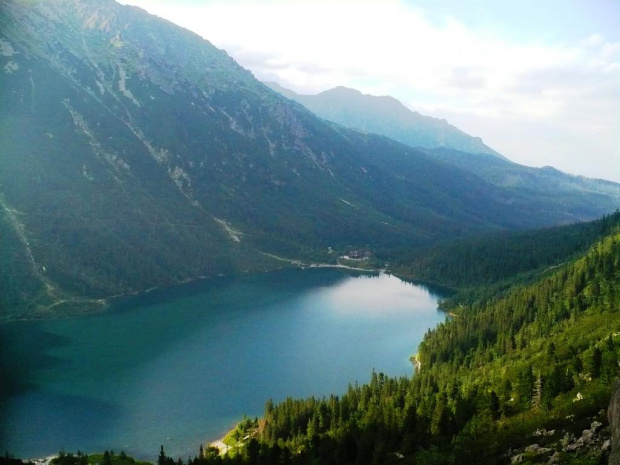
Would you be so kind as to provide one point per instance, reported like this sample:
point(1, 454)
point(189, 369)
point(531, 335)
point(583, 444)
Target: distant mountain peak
point(342, 90)
point(387, 116)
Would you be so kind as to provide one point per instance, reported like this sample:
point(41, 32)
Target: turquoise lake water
point(181, 366)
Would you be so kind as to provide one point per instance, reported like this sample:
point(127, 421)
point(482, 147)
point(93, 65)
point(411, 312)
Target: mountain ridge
point(367, 113)
point(136, 154)
point(387, 116)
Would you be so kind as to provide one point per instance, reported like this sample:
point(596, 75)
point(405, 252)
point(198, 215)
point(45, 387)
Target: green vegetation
point(489, 259)
point(541, 355)
point(162, 160)
point(196, 169)
point(441, 141)
point(107, 458)
point(238, 438)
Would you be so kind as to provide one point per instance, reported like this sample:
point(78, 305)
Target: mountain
point(524, 376)
point(389, 117)
point(386, 116)
point(575, 192)
point(496, 257)
point(136, 154)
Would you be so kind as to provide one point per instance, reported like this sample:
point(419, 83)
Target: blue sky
point(539, 81)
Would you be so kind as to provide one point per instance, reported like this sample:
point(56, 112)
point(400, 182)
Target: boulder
point(537, 450)
point(575, 445)
point(587, 436)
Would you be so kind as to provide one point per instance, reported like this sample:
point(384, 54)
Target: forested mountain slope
point(569, 191)
point(541, 358)
point(135, 154)
point(389, 117)
point(491, 258)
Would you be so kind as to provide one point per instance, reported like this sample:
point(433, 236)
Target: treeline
point(531, 359)
point(529, 312)
point(491, 258)
point(540, 355)
point(107, 458)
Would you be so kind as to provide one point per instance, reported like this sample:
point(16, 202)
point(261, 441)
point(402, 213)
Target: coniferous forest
point(539, 357)
point(538, 352)
point(136, 155)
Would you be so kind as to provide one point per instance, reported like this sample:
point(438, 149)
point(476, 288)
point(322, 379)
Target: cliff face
point(613, 414)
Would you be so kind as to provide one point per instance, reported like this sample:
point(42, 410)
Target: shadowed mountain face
point(388, 117)
point(136, 154)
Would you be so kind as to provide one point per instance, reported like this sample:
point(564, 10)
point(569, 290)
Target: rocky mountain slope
point(387, 116)
point(135, 154)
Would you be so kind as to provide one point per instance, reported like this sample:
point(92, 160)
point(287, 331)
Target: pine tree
point(597, 362)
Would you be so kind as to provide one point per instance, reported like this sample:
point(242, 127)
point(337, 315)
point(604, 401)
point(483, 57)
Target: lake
point(181, 366)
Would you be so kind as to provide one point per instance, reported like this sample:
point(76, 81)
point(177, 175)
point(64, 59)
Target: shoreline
point(103, 304)
point(220, 445)
point(217, 439)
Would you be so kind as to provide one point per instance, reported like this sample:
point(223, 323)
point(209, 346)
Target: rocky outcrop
point(613, 415)
point(561, 446)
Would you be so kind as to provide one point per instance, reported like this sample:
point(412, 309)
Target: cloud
point(466, 78)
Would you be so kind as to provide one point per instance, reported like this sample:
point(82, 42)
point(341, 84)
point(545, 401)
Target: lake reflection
point(180, 366)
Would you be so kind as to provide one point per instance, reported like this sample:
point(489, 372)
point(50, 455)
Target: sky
point(537, 80)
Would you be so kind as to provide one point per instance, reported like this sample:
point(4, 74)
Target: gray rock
point(587, 436)
point(537, 450)
point(575, 445)
point(517, 458)
point(567, 439)
point(613, 415)
point(595, 426)
point(555, 458)
point(606, 445)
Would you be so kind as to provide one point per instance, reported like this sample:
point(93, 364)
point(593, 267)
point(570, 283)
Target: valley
point(188, 250)
point(179, 366)
point(133, 148)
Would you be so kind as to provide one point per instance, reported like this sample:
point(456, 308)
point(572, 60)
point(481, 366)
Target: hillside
point(136, 154)
point(442, 141)
point(492, 258)
point(575, 192)
point(524, 375)
point(387, 116)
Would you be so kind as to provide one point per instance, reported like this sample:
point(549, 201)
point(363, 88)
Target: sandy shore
point(220, 445)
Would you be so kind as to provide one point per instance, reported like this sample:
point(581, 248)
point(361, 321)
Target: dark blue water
point(179, 367)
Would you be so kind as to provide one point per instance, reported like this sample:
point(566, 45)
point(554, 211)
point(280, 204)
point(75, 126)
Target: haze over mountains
point(389, 117)
point(135, 154)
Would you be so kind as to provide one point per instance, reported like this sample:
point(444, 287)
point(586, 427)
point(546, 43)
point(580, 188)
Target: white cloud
point(480, 81)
